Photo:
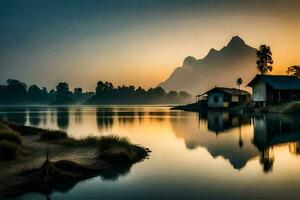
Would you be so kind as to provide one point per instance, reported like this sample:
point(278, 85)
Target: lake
point(214, 155)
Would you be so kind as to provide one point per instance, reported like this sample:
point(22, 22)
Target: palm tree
point(239, 82)
point(264, 59)
point(294, 70)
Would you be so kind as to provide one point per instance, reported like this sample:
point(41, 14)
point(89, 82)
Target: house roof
point(280, 82)
point(230, 91)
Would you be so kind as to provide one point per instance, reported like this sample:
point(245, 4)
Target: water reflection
point(193, 149)
point(272, 130)
point(14, 114)
point(225, 145)
point(62, 119)
point(34, 116)
point(104, 118)
point(237, 138)
point(78, 115)
point(220, 122)
point(126, 118)
point(230, 141)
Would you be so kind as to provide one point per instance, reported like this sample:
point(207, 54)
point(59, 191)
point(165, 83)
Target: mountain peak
point(236, 41)
point(190, 60)
point(212, 51)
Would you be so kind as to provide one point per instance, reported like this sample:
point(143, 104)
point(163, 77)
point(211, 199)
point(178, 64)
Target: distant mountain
point(218, 68)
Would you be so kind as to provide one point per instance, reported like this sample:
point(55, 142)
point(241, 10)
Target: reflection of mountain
point(238, 148)
point(225, 145)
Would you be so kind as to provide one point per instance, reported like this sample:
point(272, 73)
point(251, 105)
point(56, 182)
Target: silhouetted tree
point(264, 59)
point(14, 92)
point(172, 97)
point(294, 70)
point(239, 82)
point(78, 91)
point(37, 95)
point(63, 95)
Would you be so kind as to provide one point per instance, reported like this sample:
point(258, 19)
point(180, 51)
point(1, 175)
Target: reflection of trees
point(62, 117)
point(78, 115)
point(17, 115)
point(140, 115)
point(126, 118)
point(267, 159)
point(294, 148)
point(241, 142)
point(272, 130)
point(104, 118)
point(157, 116)
point(34, 116)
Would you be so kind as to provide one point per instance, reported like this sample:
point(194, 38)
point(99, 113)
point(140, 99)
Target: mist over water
point(214, 155)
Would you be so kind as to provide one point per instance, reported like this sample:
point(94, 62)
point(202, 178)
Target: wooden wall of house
point(259, 91)
point(222, 102)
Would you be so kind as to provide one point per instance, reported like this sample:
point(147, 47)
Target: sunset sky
point(137, 42)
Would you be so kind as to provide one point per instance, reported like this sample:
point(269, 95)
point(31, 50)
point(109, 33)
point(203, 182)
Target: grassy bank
point(73, 159)
point(292, 107)
point(10, 143)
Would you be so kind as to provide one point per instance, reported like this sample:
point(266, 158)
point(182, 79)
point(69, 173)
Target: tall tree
point(15, 91)
point(239, 82)
point(34, 94)
point(63, 95)
point(294, 70)
point(264, 59)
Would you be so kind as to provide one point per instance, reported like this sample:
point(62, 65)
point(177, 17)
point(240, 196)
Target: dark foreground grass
point(48, 135)
point(9, 150)
point(106, 142)
point(112, 148)
point(119, 151)
point(10, 136)
point(10, 143)
point(83, 142)
point(114, 157)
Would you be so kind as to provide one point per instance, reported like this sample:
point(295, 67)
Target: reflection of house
point(221, 97)
point(275, 129)
point(225, 145)
point(223, 121)
point(275, 88)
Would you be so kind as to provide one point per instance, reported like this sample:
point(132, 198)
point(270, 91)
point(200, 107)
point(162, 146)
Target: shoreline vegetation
point(40, 160)
point(292, 107)
point(15, 92)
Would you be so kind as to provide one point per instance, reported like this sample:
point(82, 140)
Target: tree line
point(106, 93)
point(17, 92)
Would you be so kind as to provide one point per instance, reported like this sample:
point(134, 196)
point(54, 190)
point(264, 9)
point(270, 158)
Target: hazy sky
point(136, 42)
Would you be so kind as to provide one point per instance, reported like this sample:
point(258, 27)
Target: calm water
point(213, 156)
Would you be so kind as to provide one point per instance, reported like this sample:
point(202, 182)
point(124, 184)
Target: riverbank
point(46, 160)
point(284, 108)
